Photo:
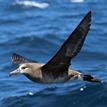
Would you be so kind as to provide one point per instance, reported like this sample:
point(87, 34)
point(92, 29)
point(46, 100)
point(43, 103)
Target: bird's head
point(25, 68)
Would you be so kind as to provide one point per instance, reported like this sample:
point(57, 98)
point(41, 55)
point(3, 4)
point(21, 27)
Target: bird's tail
point(90, 78)
point(85, 77)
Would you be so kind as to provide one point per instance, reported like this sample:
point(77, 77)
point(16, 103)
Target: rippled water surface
point(36, 29)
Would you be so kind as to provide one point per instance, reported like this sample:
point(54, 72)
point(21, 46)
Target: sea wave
point(27, 4)
point(91, 93)
point(77, 1)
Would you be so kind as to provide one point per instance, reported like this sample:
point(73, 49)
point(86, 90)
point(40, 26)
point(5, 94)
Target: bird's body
point(37, 75)
point(57, 69)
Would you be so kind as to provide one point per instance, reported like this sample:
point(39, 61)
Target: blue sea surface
point(36, 29)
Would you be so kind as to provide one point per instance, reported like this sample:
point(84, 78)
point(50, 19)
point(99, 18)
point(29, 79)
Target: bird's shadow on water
point(59, 95)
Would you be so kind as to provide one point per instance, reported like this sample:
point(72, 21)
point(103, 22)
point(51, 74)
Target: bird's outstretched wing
point(18, 59)
point(71, 47)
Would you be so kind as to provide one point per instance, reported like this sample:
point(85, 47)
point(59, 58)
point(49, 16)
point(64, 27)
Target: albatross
point(57, 68)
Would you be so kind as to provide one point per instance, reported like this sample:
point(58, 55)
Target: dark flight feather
point(59, 64)
point(18, 59)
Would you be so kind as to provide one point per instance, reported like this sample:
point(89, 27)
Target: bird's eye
point(23, 68)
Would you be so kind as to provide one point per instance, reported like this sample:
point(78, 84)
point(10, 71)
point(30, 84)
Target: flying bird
point(57, 68)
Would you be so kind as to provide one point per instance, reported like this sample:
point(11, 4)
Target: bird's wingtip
point(89, 13)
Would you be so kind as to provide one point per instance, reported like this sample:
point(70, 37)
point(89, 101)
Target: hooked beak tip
point(11, 74)
point(15, 72)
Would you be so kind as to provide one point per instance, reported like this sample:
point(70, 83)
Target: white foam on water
point(77, 1)
point(31, 93)
point(27, 3)
point(82, 88)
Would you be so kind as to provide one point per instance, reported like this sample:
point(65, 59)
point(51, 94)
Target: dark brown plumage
point(57, 69)
point(60, 63)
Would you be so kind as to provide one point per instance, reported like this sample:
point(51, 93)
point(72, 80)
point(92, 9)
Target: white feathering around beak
point(15, 72)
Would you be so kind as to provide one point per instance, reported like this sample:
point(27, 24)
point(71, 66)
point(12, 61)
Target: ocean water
point(36, 29)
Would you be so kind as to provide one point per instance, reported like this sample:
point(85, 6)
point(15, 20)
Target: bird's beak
point(15, 72)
